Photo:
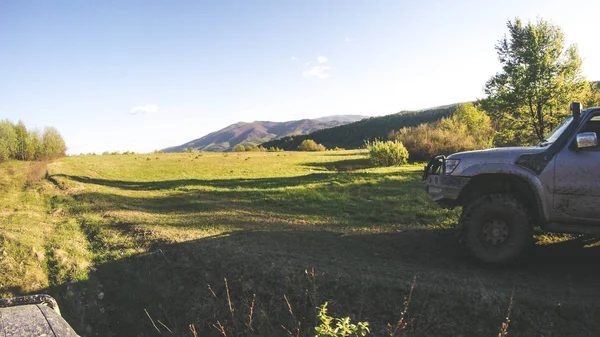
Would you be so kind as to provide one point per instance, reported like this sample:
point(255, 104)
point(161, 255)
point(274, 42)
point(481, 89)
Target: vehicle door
point(577, 177)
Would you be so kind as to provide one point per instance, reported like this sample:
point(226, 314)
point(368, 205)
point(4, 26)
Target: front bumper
point(443, 189)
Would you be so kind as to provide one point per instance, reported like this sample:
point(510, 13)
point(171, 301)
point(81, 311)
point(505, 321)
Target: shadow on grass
point(255, 183)
point(342, 165)
point(365, 277)
point(349, 199)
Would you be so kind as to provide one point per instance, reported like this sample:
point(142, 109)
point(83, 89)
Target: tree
point(8, 140)
point(21, 132)
point(53, 145)
point(539, 78)
point(34, 145)
point(478, 123)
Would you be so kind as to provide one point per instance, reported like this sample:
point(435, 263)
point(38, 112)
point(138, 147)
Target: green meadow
point(250, 244)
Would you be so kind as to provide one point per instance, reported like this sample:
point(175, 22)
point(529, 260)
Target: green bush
point(388, 153)
point(342, 328)
point(239, 148)
point(310, 145)
point(469, 129)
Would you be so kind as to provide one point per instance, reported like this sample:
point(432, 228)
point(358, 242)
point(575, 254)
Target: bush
point(390, 153)
point(343, 326)
point(310, 145)
point(469, 129)
point(238, 148)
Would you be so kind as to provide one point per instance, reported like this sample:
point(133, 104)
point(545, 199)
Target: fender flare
point(524, 174)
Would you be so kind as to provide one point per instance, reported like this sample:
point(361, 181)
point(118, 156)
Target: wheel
point(496, 228)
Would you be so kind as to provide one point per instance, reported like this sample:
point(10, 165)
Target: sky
point(145, 75)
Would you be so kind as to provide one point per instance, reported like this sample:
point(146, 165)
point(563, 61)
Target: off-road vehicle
point(505, 192)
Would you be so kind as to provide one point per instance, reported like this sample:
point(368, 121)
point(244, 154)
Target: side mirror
point(587, 139)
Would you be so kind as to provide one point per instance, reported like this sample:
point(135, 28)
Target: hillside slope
point(260, 131)
point(354, 135)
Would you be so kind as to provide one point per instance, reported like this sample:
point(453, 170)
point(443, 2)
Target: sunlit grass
point(113, 237)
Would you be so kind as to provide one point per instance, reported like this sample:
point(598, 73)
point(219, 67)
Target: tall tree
point(8, 140)
point(34, 145)
point(539, 78)
point(22, 138)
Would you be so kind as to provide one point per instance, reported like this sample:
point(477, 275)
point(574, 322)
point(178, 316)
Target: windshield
point(554, 134)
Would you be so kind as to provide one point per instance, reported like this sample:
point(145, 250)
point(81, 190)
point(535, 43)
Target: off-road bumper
point(443, 189)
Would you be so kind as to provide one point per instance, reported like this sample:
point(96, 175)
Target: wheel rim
point(495, 232)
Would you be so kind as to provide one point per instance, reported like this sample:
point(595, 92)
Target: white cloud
point(322, 59)
point(307, 63)
point(321, 72)
point(293, 58)
point(144, 109)
point(347, 39)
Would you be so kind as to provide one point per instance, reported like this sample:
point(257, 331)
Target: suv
point(504, 192)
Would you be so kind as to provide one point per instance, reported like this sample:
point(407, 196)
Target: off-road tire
point(498, 211)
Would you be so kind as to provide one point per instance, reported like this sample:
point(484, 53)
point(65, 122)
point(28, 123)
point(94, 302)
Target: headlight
point(451, 165)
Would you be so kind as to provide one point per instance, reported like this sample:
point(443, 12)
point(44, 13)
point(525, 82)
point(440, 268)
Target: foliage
point(342, 328)
point(53, 145)
point(310, 145)
point(477, 122)
point(239, 148)
point(8, 140)
point(354, 135)
point(254, 148)
point(16, 142)
point(539, 78)
point(389, 153)
point(468, 129)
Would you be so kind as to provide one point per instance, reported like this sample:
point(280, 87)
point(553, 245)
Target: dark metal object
point(437, 165)
point(495, 231)
point(35, 315)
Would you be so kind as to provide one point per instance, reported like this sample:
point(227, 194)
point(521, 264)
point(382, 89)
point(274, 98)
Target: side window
point(593, 125)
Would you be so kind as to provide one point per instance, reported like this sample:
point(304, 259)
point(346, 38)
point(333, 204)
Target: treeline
point(354, 135)
point(16, 142)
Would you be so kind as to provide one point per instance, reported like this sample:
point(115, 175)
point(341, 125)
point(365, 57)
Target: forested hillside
point(354, 135)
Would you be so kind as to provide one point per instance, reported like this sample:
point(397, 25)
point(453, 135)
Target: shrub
point(310, 145)
point(388, 153)
point(239, 148)
point(343, 326)
point(469, 129)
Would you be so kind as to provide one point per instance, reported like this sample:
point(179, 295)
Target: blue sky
point(144, 75)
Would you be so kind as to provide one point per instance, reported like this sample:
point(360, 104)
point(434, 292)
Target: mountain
point(354, 135)
point(259, 132)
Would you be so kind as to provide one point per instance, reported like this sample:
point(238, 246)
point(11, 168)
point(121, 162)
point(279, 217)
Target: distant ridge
point(259, 132)
point(354, 135)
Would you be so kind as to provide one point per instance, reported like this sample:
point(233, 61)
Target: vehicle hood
point(493, 156)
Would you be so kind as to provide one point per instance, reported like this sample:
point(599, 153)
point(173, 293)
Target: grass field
point(249, 244)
